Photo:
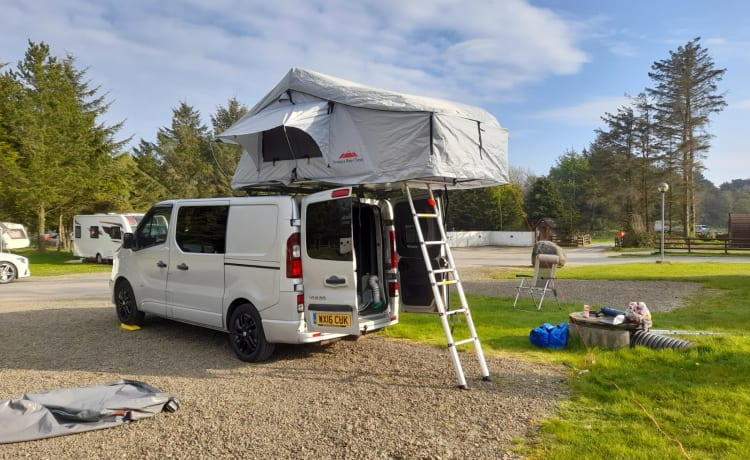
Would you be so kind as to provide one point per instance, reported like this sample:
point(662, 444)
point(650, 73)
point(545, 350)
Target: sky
point(547, 70)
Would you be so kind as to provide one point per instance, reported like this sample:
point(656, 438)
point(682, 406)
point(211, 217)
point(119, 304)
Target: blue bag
point(551, 336)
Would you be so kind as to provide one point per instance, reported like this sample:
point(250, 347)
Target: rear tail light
point(300, 303)
point(393, 289)
point(293, 256)
point(394, 254)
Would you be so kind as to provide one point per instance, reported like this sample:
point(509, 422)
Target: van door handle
point(335, 281)
point(182, 266)
point(161, 264)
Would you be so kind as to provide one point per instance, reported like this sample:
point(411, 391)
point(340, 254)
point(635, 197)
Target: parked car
point(13, 266)
point(702, 230)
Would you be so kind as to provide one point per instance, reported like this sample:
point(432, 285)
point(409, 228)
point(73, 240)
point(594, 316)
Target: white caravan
point(98, 236)
point(13, 236)
point(272, 269)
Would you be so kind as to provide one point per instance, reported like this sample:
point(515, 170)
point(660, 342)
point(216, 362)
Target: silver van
point(273, 269)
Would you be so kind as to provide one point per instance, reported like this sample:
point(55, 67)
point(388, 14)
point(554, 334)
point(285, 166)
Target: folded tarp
point(313, 127)
point(74, 410)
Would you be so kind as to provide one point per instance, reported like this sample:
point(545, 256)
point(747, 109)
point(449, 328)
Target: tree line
point(661, 135)
point(57, 158)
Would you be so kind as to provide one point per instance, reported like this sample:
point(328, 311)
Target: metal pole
point(662, 227)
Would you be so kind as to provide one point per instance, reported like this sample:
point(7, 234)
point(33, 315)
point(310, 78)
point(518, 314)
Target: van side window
point(202, 229)
point(329, 230)
point(153, 227)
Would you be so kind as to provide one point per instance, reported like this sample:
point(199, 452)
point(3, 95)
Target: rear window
point(329, 230)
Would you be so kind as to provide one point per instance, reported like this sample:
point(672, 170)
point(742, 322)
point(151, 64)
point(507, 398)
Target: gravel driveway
point(370, 398)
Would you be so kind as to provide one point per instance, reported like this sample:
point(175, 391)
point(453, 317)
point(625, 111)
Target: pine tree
point(685, 96)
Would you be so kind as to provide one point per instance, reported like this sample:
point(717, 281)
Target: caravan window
point(94, 231)
point(329, 230)
point(202, 229)
point(77, 231)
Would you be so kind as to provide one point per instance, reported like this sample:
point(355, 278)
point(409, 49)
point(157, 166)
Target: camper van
point(13, 236)
point(273, 269)
point(98, 236)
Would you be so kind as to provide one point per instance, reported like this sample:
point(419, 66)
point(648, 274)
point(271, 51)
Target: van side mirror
point(128, 241)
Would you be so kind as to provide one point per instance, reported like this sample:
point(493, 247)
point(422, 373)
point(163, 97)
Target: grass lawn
point(53, 262)
point(637, 402)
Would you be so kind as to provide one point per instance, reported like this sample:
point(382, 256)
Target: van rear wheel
point(246, 335)
point(125, 304)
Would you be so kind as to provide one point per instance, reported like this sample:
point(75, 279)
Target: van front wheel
point(246, 335)
point(125, 304)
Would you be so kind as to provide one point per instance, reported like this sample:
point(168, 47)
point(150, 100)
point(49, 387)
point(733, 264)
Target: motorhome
point(98, 236)
point(13, 236)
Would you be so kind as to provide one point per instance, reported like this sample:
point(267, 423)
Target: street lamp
point(663, 188)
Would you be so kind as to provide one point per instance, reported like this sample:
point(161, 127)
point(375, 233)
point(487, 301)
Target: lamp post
point(663, 188)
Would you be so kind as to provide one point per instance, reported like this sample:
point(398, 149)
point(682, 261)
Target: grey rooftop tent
point(316, 128)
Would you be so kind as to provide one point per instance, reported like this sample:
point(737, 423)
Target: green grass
point(53, 262)
point(635, 402)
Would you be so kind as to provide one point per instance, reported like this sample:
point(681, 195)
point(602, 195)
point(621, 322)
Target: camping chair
point(542, 281)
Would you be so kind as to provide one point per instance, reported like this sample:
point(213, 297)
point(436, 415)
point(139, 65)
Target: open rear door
point(416, 291)
point(328, 264)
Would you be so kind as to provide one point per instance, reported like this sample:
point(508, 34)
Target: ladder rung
point(456, 311)
point(425, 214)
point(461, 342)
point(446, 282)
point(444, 270)
point(434, 243)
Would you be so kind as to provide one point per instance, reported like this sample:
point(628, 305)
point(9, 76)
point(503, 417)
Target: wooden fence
point(692, 244)
point(571, 240)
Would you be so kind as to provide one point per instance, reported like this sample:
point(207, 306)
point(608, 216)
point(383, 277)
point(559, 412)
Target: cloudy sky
point(548, 70)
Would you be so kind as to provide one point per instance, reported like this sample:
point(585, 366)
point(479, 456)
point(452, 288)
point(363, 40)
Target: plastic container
point(586, 311)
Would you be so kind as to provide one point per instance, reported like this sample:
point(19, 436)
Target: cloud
point(588, 113)
point(149, 56)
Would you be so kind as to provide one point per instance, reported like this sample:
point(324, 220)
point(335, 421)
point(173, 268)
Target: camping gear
point(74, 410)
point(542, 281)
point(314, 128)
point(550, 336)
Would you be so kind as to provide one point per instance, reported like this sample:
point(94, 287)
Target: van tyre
point(99, 259)
point(246, 335)
point(125, 304)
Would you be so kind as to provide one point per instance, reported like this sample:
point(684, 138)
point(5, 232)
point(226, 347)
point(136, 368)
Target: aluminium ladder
point(451, 279)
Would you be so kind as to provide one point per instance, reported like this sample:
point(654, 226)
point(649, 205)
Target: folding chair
point(542, 281)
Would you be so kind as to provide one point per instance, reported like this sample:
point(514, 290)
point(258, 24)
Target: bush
point(638, 240)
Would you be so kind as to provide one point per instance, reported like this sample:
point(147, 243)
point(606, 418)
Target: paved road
point(90, 288)
point(593, 254)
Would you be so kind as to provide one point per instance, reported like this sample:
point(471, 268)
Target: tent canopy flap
point(317, 128)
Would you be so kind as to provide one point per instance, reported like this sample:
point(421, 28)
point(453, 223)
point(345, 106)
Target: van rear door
point(416, 290)
point(328, 266)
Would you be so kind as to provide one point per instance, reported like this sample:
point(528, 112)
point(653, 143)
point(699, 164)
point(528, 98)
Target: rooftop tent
point(316, 128)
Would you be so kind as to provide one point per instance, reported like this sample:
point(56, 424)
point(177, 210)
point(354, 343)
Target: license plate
point(333, 319)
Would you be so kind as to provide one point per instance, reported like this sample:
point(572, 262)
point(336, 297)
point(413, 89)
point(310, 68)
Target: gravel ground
point(370, 398)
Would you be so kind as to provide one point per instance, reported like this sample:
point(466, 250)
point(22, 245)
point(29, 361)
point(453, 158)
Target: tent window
point(276, 147)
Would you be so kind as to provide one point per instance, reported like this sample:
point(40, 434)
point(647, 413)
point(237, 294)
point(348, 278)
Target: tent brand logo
point(348, 157)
